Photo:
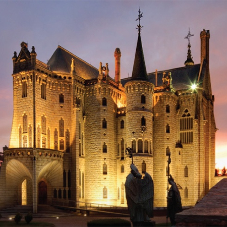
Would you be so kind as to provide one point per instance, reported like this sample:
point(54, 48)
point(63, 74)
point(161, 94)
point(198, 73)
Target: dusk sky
point(93, 29)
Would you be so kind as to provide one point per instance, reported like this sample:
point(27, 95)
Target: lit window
point(186, 128)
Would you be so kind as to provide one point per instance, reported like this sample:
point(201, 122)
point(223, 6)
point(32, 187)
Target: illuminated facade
point(72, 123)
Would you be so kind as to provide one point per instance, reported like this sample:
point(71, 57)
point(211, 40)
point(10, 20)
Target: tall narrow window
point(143, 121)
point(104, 192)
point(122, 149)
point(122, 124)
point(104, 168)
point(167, 109)
point(25, 123)
point(104, 148)
point(104, 123)
point(67, 141)
point(24, 192)
point(62, 147)
point(43, 142)
point(82, 144)
point(30, 136)
point(61, 128)
point(146, 146)
point(38, 137)
point(143, 99)
point(61, 98)
point(144, 167)
point(43, 124)
point(140, 146)
point(186, 192)
point(25, 141)
point(122, 193)
point(79, 149)
point(24, 89)
point(48, 138)
point(104, 101)
point(186, 171)
point(167, 128)
point(134, 146)
point(122, 169)
point(20, 137)
point(43, 91)
point(55, 139)
point(79, 130)
point(186, 128)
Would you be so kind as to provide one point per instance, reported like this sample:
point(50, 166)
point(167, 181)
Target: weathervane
point(188, 36)
point(139, 17)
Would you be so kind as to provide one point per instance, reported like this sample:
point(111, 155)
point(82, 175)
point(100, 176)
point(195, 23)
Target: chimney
point(117, 55)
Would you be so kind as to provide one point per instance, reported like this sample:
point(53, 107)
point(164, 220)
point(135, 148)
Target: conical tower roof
point(139, 68)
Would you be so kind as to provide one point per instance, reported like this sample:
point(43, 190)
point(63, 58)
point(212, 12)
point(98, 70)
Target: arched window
point(186, 128)
point(24, 89)
point(104, 148)
point(43, 91)
point(143, 121)
point(143, 99)
point(186, 171)
point(122, 124)
point(43, 124)
point(61, 128)
point(167, 128)
point(55, 139)
point(104, 123)
point(62, 147)
point(25, 123)
point(144, 167)
point(146, 146)
point(122, 149)
point(167, 109)
point(134, 146)
point(104, 168)
point(104, 101)
point(61, 98)
point(140, 146)
point(122, 169)
point(67, 141)
point(104, 192)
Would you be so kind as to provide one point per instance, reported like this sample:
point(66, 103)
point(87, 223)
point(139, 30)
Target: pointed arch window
point(122, 149)
point(104, 148)
point(104, 123)
point(146, 146)
point(61, 127)
point(140, 146)
point(104, 101)
point(143, 99)
point(134, 146)
point(24, 89)
point(104, 168)
point(43, 124)
point(62, 144)
point(67, 140)
point(104, 192)
point(185, 171)
point(55, 139)
point(43, 91)
point(186, 128)
point(25, 123)
point(122, 124)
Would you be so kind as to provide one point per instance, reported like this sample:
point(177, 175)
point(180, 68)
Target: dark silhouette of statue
point(139, 195)
point(173, 201)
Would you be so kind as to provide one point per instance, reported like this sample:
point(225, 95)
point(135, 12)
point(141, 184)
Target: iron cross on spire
point(139, 17)
point(188, 36)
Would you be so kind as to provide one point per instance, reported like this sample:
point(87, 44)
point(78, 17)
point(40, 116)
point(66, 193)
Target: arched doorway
point(42, 192)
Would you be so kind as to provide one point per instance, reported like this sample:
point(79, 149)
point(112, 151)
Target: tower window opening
point(185, 171)
point(134, 146)
point(167, 109)
point(143, 99)
point(122, 124)
point(43, 91)
point(143, 121)
point(104, 123)
point(104, 192)
point(167, 128)
point(140, 146)
point(186, 128)
point(24, 89)
point(122, 149)
point(104, 101)
point(104, 148)
point(61, 98)
point(104, 168)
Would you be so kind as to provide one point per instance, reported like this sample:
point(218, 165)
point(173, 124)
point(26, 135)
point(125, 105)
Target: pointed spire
point(189, 60)
point(139, 68)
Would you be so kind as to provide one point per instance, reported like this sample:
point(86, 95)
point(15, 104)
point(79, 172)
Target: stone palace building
point(72, 124)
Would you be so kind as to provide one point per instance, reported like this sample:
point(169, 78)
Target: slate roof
point(61, 61)
point(182, 77)
point(139, 71)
